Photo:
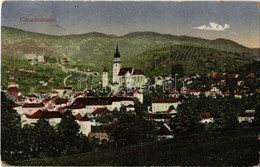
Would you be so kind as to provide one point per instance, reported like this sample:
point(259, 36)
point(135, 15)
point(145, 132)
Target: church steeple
point(116, 65)
point(117, 54)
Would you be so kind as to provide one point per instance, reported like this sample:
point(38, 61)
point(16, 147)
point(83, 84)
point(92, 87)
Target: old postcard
point(127, 83)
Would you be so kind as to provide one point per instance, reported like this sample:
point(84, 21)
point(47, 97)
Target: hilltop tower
point(105, 78)
point(116, 65)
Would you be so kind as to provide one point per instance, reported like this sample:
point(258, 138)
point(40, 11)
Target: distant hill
point(95, 50)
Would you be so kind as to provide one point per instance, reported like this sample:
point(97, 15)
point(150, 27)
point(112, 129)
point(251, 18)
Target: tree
point(177, 69)
point(69, 134)
point(44, 139)
point(187, 119)
point(140, 109)
point(226, 118)
point(127, 129)
point(10, 131)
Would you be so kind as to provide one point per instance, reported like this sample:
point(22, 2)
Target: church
point(128, 77)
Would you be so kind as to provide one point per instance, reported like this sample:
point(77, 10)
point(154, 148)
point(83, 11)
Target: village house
point(247, 116)
point(139, 96)
point(206, 117)
point(64, 91)
point(158, 80)
point(164, 104)
point(31, 108)
point(165, 132)
point(89, 105)
point(215, 91)
point(54, 117)
point(159, 117)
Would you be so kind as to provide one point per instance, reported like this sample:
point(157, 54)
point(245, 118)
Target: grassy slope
point(229, 149)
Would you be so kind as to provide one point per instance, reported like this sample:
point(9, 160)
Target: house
point(163, 104)
point(238, 94)
point(85, 123)
point(101, 112)
point(159, 117)
point(32, 98)
point(227, 93)
point(139, 96)
point(250, 75)
point(18, 108)
point(31, 108)
point(247, 116)
point(130, 108)
point(165, 132)
point(131, 77)
point(13, 91)
point(53, 117)
point(64, 91)
point(206, 117)
point(215, 91)
point(158, 80)
point(85, 105)
point(194, 92)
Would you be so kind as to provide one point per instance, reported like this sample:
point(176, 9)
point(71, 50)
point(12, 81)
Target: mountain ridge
point(133, 34)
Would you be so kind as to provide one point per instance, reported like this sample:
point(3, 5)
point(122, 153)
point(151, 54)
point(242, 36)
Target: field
point(232, 148)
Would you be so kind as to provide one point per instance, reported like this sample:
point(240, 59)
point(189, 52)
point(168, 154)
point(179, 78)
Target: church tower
point(105, 78)
point(116, 65)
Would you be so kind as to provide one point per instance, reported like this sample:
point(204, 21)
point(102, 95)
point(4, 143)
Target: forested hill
point(157, 51)
point(193, 59)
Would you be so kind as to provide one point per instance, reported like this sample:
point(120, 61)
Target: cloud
point(213, 27)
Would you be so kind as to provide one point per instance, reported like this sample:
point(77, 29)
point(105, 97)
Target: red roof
point(194, 90)
point(80, 118)
point(205, 115)
point(13, 91)
point(250, 75)
point(164, 130)
point(101, 111)
point(33, 105)
point(45, 114)
point(248, 114)
point(82, 102)
point(138, 72)
point(166, 100)
point(123, 71)
point(57, 100)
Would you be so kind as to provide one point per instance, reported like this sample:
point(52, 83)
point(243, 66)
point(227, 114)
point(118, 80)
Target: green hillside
point(152, 52)
point(232, 148)
point(96, 49)
point(193, 58)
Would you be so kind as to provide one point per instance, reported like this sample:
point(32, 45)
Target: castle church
point(128, 77)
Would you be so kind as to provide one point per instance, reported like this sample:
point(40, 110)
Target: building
point(165, 104)
point(128, 77)
point(105, 78)
point(89, 106)
point(116, 65)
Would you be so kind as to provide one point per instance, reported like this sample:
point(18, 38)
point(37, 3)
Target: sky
point(237, 21)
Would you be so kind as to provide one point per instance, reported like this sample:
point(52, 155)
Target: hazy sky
point(238, 21)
